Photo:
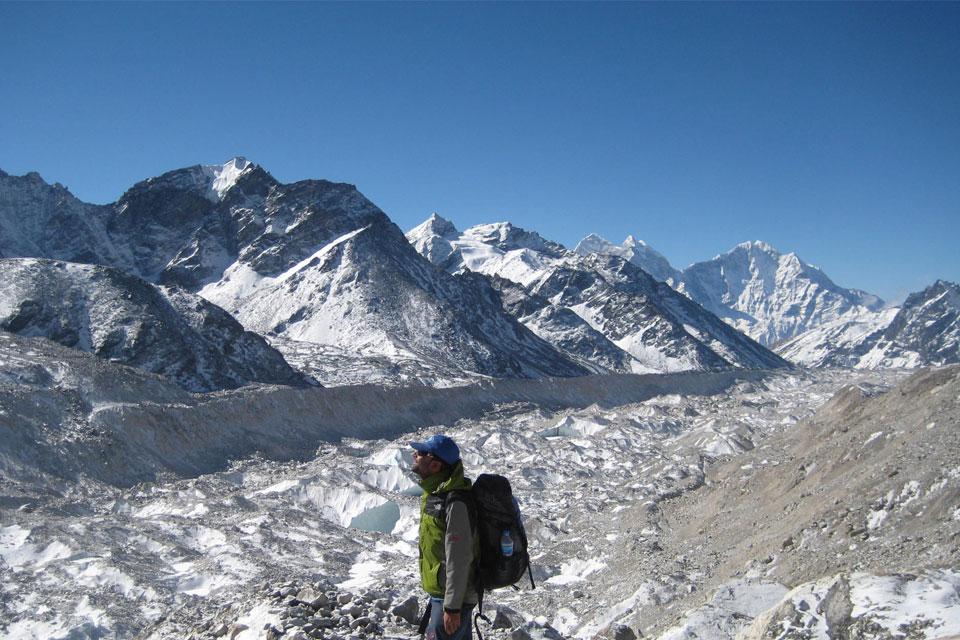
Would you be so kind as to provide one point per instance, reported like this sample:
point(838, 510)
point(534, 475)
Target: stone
point(360, 622)
point(520, 633)
point(408, 610)
point(345, 598)
point(502, 620)
point(219, 631)
point(382, 603)
point(623, 632)
point(836, 607)
point(312, 597)
point(236, 629)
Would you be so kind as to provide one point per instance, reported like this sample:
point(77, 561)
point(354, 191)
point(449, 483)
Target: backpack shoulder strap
point(466, 497)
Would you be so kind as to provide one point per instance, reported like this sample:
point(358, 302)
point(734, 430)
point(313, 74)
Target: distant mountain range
point(794, 308)
point(325, 276)
point(600, 309)
point(767, 295)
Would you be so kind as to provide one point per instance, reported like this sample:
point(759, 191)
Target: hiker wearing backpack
point(448, 548)
point(471, 539)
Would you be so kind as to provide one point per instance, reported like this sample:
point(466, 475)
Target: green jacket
point(447, 544)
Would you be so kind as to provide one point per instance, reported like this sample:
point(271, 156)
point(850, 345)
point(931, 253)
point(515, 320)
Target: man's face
point(424, 464)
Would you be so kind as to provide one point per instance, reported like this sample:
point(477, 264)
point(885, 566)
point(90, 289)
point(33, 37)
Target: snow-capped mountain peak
point(633, 242)
point(435, 225)
point(597, 244)
point(431, 238)
point(224, 176)
point(771, 296)
point(632, 250)
point(212, 181)
point(311, 261)
point(507, 237)
point(758, 245)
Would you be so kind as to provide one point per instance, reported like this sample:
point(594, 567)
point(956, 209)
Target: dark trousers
point(435, 626)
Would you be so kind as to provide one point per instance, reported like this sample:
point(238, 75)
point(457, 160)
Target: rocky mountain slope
point(923, 331)
point(866, 487)
point(600, 310)
point(311, 261)
point(122, 318)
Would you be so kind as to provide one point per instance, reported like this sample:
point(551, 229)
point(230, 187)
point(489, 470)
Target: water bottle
point(506, 543)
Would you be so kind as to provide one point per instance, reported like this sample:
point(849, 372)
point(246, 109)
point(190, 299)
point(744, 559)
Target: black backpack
point(496, 520)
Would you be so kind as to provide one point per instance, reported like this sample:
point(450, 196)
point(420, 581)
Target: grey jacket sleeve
point(458, 548)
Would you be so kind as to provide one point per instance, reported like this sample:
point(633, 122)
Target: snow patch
point(577, 571)
point(224, 177)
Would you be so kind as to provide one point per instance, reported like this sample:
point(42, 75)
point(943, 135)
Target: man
point(447, 546)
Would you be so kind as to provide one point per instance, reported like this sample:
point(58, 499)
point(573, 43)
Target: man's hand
point(451, 622)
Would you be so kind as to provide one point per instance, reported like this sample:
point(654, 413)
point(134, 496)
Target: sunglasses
point(421, 454)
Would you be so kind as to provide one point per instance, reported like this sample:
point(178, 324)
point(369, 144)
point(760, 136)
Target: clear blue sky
point(832, 130)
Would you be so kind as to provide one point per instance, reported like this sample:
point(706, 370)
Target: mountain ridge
point(225, 230)
point(602, 310)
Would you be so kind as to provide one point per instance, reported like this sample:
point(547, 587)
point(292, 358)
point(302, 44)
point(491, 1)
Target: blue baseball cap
point(439, 446)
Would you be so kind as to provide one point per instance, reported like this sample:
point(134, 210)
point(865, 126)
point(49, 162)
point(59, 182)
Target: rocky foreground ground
point(870, 485)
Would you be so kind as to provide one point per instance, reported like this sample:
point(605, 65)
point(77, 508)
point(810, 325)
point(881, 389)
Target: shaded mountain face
point(927, 324)
point(599, 309)
point(562, 327)
point(648, 319)
point(122, 318)
point(313, 260)
point(42, 220)
point(924, 331)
